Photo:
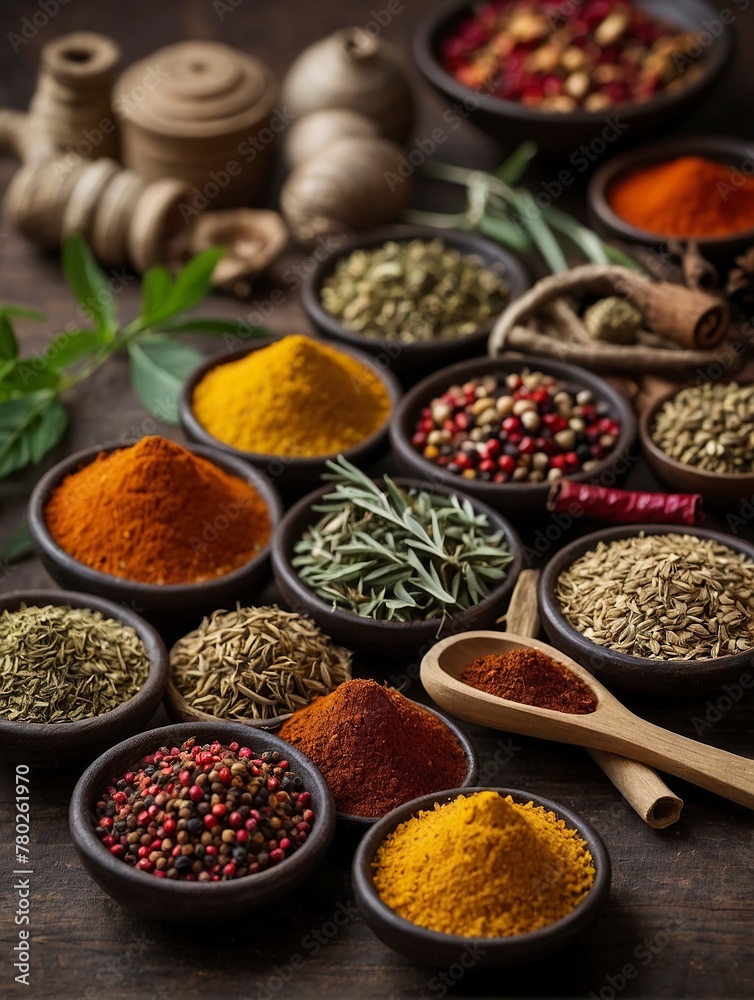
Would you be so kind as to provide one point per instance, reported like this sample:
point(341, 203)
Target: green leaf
point(89, 283)
point(541, 234)
point(28, 375)
point(205, 324)
point(159, 367)
point(17, 546)
point(8, 309)
point(30, 426)
point(156, 288)
point(505, 232)
point(514, 168)
point(194, 282)
point(588, 242)
point(8, 342)
point(67, 348)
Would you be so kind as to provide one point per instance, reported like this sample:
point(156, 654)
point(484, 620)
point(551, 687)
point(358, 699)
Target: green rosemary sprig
point(383, 552)
point(32, 416)
point(498, 208)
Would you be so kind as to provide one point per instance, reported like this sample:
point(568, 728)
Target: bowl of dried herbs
point(654, 608)
point(389, 566)
point(77, 673)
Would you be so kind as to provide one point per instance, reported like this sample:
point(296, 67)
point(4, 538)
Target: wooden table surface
point(679, 922)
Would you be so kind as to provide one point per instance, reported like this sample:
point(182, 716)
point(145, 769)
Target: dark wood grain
point(680, 920)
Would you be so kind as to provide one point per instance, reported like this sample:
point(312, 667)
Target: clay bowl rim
point(633, 672)
point(710, 481)
point(436, 26)
point(290, 872)
point(92, 730)
point(717, 147)
point(282, 550)
point(45, 543)
point(309, 466)
point(521, 947)
point(433, 385)
point(470, 243)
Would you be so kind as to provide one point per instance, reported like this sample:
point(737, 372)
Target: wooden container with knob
point(202, 116)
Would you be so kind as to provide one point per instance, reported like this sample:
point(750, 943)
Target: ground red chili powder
point(375, 747)
point(530, 678)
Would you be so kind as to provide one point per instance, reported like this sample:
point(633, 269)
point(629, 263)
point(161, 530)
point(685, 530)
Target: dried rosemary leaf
point(256, 663)
point(387, 553)
point(63, 664)
point(663, 597)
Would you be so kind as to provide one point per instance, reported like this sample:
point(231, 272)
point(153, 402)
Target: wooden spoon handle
point(642, 787)
point(716, 770)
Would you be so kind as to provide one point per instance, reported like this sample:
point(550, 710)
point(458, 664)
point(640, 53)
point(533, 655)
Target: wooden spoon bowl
point(610, 727)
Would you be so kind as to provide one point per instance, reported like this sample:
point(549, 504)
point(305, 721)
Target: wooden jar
point(200, 112)
point(71, 107)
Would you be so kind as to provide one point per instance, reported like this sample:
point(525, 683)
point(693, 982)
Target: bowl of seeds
point(252, 665)
point(652, 608)
point(700, 439)
point(504, 429)
point(76, 672)
point(541, 876)
point(387, 566)
point(201, 821)
point(413, 297)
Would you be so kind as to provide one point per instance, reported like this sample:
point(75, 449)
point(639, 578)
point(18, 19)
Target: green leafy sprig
point(32, 416)
point(508, 214)
point(387, 553)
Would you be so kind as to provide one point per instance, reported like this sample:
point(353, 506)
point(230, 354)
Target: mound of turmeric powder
point(297, 398)
point(483, 866)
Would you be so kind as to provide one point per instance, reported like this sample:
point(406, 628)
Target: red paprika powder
point(531, 678)
point(375, 747)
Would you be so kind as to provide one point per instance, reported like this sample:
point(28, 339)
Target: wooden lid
point(200, 89)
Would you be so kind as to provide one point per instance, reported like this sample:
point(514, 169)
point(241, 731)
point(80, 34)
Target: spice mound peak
point(375, 747)
point(483, 866)
point(296, 398)
point(146, 513)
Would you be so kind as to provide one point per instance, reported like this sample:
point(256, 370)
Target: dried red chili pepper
point(612, 506)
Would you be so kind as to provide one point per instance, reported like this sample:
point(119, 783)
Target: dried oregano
point(664, 597)
point(709, 426)
point(63, 664)
point(256, 663)
point(395, 554)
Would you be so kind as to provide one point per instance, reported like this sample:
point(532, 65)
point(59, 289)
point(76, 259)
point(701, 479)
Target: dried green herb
point(710, 427)
point(663, 597)
point(256, 663)
point(416, 290)
point(62, 664)
point(398, 555)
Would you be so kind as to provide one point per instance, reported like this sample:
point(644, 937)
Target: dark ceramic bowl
point(679, 678)
point(291, 475)
point(723, 491)
point(384, 637)
point(152, 599)
point(427, 947)
point(524, 500)
point(162, 899)
point(563, 134)
point(736, 153)
point(408, 359)
point(58, 743)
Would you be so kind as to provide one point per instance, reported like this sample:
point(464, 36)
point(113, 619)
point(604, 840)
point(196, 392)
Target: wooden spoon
point(610, 727)
point(642, 787)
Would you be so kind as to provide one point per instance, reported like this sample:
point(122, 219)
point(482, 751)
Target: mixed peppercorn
point(526, 427)
point(205, 813)
point(594, 55)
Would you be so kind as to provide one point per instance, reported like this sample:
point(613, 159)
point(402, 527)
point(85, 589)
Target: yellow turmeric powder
point(297, 398)
point(483, 866)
